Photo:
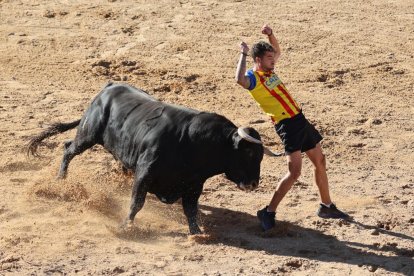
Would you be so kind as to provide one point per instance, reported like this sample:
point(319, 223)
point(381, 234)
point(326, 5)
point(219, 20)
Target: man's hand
point(267, 30)
point(244, 48)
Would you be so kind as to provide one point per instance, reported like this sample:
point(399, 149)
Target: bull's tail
point(54, 129)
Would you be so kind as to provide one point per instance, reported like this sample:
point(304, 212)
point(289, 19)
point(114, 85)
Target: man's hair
point(259, 49)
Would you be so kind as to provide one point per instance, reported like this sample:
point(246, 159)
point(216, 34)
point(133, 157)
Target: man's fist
point(244, 48)
point(267, 30)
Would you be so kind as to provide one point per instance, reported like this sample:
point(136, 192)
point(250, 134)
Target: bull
point(171, 149)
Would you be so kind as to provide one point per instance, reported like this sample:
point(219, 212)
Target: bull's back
point(133, 122)
point(115, 100)
point(154, 127)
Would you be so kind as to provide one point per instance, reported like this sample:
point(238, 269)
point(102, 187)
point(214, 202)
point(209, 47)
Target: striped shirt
point(271, 95)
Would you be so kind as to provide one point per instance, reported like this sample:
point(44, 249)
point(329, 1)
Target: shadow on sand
point(242, 230)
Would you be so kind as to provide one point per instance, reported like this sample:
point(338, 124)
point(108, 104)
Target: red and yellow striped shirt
point(271, 95)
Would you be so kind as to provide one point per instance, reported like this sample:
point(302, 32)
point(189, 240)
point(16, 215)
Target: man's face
point(267, 62)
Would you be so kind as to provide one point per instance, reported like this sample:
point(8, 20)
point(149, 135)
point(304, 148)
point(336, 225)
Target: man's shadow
point(242, 230)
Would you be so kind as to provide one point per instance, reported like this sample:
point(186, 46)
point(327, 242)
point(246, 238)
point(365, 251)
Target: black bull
point(173, 150)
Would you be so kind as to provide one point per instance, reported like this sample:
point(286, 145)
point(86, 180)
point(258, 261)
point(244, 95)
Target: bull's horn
point(247, 137)
point(267, 151)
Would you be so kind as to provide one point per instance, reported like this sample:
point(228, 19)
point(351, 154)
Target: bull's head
point(245, 165)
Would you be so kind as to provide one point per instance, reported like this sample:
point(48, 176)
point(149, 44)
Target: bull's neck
point(218, 153)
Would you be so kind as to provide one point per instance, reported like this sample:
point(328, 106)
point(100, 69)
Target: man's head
point(263, 56)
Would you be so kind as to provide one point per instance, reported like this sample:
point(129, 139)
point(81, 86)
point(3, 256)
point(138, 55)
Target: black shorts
point(297, 134)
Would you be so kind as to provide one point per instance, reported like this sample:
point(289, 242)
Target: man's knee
point(321, 161)
point(295, 165)
point(295, 173)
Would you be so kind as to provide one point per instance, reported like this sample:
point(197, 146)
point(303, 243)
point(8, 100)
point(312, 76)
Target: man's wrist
point(271, 32)
point(244, 54)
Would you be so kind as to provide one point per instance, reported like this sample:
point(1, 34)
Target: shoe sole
point(332, 217)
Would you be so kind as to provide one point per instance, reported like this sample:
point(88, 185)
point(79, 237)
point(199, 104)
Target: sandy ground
point(349, 63)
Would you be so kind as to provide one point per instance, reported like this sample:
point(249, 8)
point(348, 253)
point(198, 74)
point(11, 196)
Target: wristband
point(244, 54)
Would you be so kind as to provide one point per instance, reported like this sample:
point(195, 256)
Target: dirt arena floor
point(349, 63)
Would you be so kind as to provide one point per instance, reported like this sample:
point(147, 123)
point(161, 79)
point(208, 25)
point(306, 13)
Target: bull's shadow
point(242, 230)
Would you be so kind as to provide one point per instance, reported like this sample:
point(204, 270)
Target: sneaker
point(331, 212)
point(267, 219)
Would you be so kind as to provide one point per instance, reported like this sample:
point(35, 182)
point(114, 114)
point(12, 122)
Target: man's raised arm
point(241, 77)
point(272, 40)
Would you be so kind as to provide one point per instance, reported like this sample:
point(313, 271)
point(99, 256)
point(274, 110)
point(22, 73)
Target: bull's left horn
point(247, 137)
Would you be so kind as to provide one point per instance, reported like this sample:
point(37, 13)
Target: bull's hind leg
point(72, 148)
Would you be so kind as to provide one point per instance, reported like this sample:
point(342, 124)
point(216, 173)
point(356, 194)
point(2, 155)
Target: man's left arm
point(272, 40)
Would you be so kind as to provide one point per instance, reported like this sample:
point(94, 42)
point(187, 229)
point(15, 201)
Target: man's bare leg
point(294, 161)
point(321, 178)
point(327, 209)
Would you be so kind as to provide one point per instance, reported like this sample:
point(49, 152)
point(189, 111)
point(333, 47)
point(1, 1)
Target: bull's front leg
point(139, 193)
point(190, 206)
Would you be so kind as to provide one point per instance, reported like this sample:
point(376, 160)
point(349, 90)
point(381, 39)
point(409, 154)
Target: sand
point(350, 64)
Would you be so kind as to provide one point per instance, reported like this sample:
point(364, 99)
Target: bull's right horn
point(267, 151)
point(241, 131)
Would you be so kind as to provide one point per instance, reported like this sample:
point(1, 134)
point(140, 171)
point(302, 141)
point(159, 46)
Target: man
point(296, 133)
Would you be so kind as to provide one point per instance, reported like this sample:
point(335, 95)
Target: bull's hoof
point(195, 230)
point(60, 177)
point(127, 225)
point(61, 174)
